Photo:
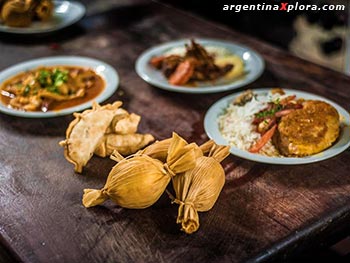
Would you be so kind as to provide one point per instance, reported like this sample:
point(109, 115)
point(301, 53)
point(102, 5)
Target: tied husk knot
point(178, 201)
point(188, 218)
point(181, 155)
point(93, 197)
point(187, 214)
point(168, 170)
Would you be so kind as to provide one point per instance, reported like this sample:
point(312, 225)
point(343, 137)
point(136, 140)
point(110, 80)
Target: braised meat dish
point(196, 65)
point(51, 88)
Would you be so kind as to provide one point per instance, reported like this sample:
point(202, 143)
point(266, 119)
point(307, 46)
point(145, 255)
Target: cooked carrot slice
point(263, 140)
point(157, 61)
point(283, 113)
point(182, 74)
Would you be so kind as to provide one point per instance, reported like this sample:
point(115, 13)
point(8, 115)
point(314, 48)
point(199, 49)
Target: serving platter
point(65, 14)
point(253, 64)
point(107, 72)
point(343, 142)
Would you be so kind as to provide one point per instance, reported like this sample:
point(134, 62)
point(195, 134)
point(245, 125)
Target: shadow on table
point(46, 126)
point(37, 39)
point(319, 176)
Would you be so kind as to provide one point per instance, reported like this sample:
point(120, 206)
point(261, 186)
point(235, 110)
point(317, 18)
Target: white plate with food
point(199, 66)
point(55, 86)
point(43, 16)
point(267, 126)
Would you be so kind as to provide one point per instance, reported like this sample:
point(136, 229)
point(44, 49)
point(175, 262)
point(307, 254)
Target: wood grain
point(263, 212)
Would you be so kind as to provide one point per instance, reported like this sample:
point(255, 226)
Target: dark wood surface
point(263, 212)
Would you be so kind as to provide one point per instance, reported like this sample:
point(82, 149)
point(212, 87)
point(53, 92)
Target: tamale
point(198, 189)
point(138, 181)
point(125, 144)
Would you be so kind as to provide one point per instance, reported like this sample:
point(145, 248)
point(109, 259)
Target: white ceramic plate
point(107, 72)
point(212, 129)
point(254, 66)
point(65, 14)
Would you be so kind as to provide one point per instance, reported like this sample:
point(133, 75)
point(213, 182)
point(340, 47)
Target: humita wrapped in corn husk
point(138, 181)
point(101, 130)
point(198, 189)
point(159, 149)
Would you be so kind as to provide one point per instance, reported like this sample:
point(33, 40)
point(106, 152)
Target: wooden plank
point(263, 210)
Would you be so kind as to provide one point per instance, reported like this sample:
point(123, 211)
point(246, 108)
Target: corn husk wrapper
point(138, 181)
point(159, 149)
point(217, 152)
point(125, 144)
point(208, 147)
point(198, 189)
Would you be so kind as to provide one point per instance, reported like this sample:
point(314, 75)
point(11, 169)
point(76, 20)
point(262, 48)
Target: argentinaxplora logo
point(283, 7)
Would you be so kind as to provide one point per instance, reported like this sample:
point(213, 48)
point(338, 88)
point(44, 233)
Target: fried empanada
point(125, 144)
point(124, 123)
point(85, 133)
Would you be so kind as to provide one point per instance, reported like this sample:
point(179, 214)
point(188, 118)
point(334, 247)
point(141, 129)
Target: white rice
point(236, 125)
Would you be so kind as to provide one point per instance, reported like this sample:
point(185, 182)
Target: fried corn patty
point(308, 130)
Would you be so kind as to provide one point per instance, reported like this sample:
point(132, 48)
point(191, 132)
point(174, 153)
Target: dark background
point(277, 27)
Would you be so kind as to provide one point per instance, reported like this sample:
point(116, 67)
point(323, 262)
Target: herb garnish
point(52, 80)
point(271, 112)
point(26, 90)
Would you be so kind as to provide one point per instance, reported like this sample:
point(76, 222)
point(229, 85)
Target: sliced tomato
point(263, 140)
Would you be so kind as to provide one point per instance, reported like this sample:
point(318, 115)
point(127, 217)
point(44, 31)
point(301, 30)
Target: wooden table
point(264, 211)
